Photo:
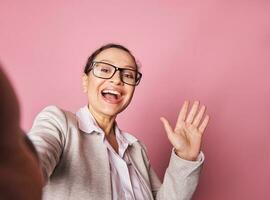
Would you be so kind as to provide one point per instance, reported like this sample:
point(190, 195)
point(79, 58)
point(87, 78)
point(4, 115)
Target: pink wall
point(216, 51)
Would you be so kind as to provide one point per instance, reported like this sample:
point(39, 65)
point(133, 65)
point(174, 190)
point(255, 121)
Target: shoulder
point(56, 115)
point(52, 113)
point(52, 109)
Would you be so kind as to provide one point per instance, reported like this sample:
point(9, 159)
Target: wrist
point(185, 156)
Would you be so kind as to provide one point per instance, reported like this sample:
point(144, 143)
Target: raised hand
point(186, 137)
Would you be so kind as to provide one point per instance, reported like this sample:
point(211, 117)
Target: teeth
point(111, 92)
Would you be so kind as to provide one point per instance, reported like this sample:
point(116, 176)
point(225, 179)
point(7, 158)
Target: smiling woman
point(87, 156)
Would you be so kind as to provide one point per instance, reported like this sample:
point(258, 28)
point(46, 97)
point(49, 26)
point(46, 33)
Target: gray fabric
point(76, 165)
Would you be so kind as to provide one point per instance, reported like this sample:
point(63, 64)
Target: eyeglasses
point(106, 71)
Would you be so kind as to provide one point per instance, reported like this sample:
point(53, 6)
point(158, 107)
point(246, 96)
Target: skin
point(186, 137)
point(104, 112)
point(21, 176)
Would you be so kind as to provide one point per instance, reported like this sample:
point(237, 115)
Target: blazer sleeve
point(48, 137)
point(180, 180)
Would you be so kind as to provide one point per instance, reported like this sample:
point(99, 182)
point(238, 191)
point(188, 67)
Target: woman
point(86, 156)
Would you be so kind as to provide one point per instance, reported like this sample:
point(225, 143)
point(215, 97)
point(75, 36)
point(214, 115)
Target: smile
point(111, 95)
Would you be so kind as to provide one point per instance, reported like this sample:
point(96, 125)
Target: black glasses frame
point(138, 74)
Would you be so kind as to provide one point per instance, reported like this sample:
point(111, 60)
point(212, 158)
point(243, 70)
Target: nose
point(116, 78)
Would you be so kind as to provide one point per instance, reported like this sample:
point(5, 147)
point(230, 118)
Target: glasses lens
point(129, 76)
point(103, 70)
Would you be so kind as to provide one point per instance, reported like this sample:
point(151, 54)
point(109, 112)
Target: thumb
point(167, 126)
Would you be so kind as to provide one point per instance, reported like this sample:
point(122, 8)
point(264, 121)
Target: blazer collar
point(88, 124)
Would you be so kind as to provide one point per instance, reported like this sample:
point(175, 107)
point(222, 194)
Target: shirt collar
point(88, 124)
point(86, 121)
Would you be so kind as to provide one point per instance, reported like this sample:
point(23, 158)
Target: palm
point(186, 137)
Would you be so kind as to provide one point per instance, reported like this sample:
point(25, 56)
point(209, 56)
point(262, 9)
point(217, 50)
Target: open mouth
point(111, 96)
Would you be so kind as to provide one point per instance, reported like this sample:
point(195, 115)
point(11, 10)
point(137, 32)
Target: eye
point(104, 68)
point(129, 75)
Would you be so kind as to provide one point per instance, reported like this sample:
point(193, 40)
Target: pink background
point(212, 50)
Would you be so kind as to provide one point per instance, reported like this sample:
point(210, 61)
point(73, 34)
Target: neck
point(105, 122)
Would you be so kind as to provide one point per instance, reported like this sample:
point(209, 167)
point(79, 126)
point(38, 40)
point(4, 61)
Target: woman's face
point(108, 97)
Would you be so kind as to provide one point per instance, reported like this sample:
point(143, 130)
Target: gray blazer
point(76, 164)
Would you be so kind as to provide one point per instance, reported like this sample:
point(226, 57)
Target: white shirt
point(125, 181)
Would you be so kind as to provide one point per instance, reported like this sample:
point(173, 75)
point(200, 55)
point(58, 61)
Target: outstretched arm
point(20, 174)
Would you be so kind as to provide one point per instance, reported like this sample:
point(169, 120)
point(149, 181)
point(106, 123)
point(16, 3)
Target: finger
point(193, 112)
point(199, 116)
point(182, 113)
point(167, 126)
point(204, 124)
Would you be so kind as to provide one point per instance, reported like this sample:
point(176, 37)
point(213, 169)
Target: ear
point(85, 83)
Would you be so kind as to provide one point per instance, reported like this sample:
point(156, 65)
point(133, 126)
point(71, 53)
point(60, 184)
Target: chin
point(110, 112)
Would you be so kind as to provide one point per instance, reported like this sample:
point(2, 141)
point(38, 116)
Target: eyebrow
point(127, 66)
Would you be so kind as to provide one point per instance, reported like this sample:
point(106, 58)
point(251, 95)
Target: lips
point(111, 95)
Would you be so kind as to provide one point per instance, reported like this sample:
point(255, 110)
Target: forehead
point(116, 57)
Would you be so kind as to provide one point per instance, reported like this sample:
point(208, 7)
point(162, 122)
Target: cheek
point(92, 91)
point(130, 92)
point(93, 84)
